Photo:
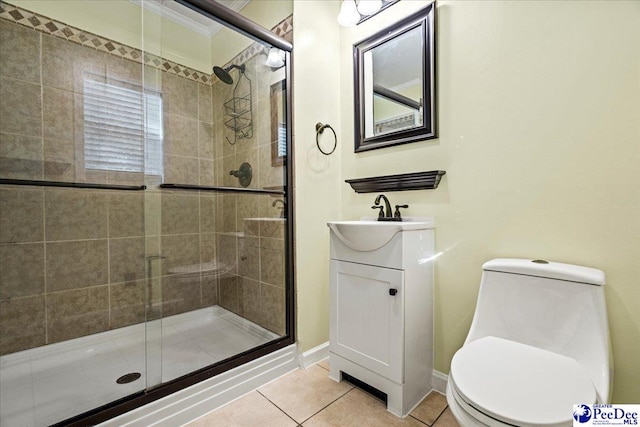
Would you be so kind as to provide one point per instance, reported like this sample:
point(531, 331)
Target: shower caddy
point(238, 111)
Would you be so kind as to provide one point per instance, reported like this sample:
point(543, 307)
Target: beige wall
point(539, 135)
point(317, 177)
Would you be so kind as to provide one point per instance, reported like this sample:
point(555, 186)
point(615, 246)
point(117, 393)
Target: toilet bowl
point(538, 344)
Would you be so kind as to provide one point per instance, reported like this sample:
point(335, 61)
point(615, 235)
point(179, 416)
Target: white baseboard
point(193, 402)
point(313, 356)
point(439, 382)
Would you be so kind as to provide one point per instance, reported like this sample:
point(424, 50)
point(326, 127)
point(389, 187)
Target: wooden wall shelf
point(402, 182)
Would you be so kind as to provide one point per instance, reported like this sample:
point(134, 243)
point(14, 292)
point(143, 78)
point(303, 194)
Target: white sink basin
point(368, 236)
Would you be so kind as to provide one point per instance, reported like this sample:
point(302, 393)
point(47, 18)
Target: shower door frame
point(235, 21)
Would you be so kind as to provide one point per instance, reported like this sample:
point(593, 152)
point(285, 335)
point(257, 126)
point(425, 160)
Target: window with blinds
point(282, 140)
point(122, 128)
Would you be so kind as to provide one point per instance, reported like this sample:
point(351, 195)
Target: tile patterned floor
point(309, 398)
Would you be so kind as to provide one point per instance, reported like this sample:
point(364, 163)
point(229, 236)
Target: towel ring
point(319, 130)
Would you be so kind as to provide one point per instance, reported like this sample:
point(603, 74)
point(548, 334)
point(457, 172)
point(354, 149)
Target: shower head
point(223, 73)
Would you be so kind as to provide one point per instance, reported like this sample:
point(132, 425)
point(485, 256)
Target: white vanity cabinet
point(381, 308)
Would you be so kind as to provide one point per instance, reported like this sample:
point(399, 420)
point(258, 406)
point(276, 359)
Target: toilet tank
point(553, 306)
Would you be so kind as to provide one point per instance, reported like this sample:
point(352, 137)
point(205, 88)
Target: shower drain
point(128, 378)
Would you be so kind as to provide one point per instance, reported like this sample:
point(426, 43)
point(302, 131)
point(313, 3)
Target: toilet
point(538, 344)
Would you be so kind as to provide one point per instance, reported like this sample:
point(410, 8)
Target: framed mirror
point(394, 82)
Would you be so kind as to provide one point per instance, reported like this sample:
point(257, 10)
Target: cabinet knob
point(392, 292)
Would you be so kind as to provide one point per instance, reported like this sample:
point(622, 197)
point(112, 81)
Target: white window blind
point(282, 140)
point(122, 128)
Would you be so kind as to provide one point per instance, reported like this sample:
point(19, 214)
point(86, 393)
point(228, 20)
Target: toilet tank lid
point(547, 269)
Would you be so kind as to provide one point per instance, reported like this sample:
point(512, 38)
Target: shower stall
point(145, 201)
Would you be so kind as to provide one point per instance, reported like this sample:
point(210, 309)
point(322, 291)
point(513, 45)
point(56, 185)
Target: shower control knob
point(393, 292)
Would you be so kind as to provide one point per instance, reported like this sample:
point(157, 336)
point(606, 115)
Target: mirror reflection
point(394, 86)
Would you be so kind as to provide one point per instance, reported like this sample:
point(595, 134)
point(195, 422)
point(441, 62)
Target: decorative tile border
point(55, 28)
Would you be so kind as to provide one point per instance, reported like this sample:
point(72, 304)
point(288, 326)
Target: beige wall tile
point(209, 290)
point(228, 293)
point(227, 251)
point(269, 175)
point(180, 96)
point(249, 206)
point(20, 107)
point(249, 258)
point(75, 214)
point(126, 214)
point(60, 160)
point(21, 270)
point(180, 135)
point(205, 105)
point(21, 215)
point(126, 259)
point(22, 324)
point(207, 214)
point(273, 308)
point(128, 303)
point(180, 293)
point(57, 113)
point(262, 118)
point(180, 213)
point(273, 229)
point(272, 267)
point(76, 313)
point(78, 264)
point(121, 71)
point(66, 63)
point(180, 251)
point(181, 170)
point(226, 213)
point(207, 247)
point(228, 164)
point(207, 173)
point(20, 157)
point(19, 52)
point(205, 140)
point(249, 295)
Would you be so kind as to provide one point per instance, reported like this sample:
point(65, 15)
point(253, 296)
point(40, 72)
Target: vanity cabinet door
point(367, 317)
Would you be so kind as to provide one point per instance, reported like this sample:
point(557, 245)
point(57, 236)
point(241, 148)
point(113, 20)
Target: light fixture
point(275, 58)
point(369, 7)
point(348, 16)
point(353, 12)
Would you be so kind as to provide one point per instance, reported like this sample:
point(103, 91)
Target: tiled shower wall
point(72, 261)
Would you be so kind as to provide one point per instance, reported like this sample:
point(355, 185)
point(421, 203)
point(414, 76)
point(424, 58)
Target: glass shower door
point(143, 202)
point(73, 288)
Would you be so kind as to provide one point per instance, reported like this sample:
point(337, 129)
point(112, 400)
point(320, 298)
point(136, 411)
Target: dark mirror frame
point(425, 20)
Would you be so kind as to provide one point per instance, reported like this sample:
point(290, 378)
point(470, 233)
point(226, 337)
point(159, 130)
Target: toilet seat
point(519, 384)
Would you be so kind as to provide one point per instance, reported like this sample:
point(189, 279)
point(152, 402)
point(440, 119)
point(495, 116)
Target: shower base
point(48, 384)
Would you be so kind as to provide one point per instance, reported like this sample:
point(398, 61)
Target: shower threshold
point(49, 384)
